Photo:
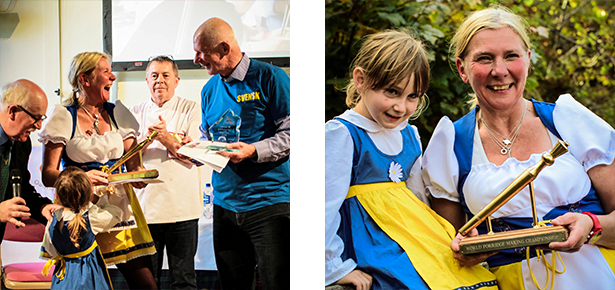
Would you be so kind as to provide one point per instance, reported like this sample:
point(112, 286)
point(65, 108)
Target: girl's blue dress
point(88, 271)
point(390, 233)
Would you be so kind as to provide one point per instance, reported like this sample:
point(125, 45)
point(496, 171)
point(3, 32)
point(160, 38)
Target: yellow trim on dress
point(60, 261)
point(397, 211)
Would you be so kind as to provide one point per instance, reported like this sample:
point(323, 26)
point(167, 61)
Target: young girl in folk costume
point(70, 236)
point(379, 231)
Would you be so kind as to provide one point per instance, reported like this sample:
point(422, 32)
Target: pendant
point(6, 161)
point(503, 151)
point(506, 142)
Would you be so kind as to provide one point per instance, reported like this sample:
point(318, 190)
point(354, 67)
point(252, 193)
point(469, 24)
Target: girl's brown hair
point(73, 191)
point(388, 57)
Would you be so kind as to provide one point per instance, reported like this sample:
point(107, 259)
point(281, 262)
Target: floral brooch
point(395, 172)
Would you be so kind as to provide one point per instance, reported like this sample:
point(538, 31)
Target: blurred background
point(573, 50)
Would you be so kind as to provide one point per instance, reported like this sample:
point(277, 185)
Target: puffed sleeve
point(414, 181)
point(338, 168)
point(103, 215)
point(440, 168)
point(591, 140)
point(128, 126)
point(58, 128)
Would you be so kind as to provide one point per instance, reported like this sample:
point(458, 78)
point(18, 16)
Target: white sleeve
point(47, 244)
point(103, 216)
point(591, 140)
point(440, 167)
point(338, 168)
point(127, 124)
point(414, 181)
point(58, 128)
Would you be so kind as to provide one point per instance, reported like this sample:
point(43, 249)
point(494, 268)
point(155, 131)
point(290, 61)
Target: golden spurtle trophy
point(133, 175)
point(538, 235)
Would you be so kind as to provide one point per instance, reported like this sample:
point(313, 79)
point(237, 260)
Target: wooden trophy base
point(513, 239)
point(133, 176)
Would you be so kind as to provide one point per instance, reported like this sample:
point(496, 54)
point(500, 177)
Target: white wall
point(49, 34)
point(32, 51)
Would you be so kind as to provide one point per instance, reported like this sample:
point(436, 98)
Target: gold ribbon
point(548, 266)
point(60, 262)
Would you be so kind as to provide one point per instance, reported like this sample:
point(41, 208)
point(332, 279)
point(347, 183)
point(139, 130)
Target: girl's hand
point(468, 260)
point(138, 184)
point(97, 177)
point(48, 210)
point(358, 278)
point(579, 225)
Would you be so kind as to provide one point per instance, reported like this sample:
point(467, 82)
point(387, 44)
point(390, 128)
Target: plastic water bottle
point(208, 198)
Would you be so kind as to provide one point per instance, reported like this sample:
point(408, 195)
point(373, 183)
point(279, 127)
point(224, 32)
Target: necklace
point(95, 117)
point(508, 141)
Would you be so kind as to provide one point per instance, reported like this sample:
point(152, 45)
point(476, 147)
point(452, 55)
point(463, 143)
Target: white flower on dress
point(395, 172)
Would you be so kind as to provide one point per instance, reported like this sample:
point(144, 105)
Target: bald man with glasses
point(22, 110)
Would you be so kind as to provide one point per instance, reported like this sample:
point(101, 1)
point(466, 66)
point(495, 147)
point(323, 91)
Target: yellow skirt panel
point(423, 234)
point(125, 245)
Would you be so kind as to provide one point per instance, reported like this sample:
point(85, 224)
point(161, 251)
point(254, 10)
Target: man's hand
point(245, 151)
point(48, 210)
point(12, 209)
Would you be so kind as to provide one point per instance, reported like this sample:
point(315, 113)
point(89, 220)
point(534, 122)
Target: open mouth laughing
point(500, 88)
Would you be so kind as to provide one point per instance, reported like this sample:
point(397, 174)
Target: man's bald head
point(21, 92)
point(214, 31)
point(23, 108)
point(216, 47)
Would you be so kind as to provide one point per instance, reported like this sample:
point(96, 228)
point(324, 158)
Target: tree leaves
point(573, 50)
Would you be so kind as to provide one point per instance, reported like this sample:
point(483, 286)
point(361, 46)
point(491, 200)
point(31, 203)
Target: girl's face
point(388, 106)
point(496, 66)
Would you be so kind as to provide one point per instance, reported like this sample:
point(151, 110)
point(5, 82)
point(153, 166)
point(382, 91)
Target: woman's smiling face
point(100, 81)
point(496, 65)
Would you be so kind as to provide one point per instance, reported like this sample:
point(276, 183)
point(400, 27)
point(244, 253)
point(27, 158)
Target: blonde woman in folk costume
point(90, 132)
point(379, 233)
point(507, 134)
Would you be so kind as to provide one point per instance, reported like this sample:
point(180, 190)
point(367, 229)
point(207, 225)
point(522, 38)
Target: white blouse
point(591, 142)
point(338, 168)
point(103, 216)
point(82, 148)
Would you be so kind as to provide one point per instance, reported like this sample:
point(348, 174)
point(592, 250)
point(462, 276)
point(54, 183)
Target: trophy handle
point(130, 153)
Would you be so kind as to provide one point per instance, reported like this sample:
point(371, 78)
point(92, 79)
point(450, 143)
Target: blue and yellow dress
point(456, 168)
point(384, 229)
point(130, 237)
point(83, 267)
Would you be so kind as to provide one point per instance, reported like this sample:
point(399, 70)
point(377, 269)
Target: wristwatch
point(596, 232)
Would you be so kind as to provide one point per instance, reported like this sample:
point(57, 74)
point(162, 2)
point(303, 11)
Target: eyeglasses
point(36, 119)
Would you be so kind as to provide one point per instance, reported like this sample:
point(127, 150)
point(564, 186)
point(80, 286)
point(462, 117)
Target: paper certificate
point(206, 152)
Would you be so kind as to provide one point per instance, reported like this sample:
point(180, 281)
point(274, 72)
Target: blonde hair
point(83, 63)
point(496, 16)
point(389, 57)
point(73, 191)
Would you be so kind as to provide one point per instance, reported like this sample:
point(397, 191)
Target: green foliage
point(573, 50)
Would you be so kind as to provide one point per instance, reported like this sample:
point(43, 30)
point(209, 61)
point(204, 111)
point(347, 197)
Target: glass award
point(226, 129)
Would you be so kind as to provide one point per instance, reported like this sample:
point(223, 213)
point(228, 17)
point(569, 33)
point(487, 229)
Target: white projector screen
point(137, 30)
